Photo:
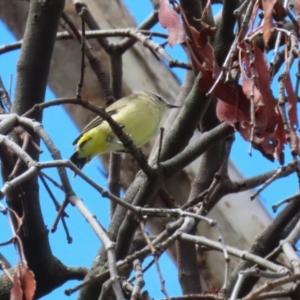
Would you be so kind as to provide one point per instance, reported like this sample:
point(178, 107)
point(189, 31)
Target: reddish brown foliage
point(268, 23)
point(24, 283)
point(169, 19)
point(265, 129)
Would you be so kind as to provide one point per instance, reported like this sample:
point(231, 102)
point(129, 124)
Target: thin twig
point(277, 174)
point(82, 48)
point(53, 181)
point(284, 201)
point(4, 96)
point(139, 279)
point(155, 256)
point(271, 285)
point(161, 137)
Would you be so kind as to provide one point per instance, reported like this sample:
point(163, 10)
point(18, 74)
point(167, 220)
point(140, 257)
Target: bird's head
point(161, 100)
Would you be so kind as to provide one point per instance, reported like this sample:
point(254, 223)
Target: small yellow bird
point(139, 113)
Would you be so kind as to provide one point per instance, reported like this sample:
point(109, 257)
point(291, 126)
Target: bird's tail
point(78, 161)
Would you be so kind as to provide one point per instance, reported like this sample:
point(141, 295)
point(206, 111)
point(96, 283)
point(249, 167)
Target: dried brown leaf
point(248, 85)
point(16, 292)
point(202, 47)
point(261, 113)
point(279, 11)
point(223, 91)
point(28, 282)
point(268, 23)
point(169, 19)
point(24, 283)
point(199, 47)
point(228, 113)
point(263, 83)
point(195, 57)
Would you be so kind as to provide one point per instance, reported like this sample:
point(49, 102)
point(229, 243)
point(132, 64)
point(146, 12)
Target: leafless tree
point(227, 88)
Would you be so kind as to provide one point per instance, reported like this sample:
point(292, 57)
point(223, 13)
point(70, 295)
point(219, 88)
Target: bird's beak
point(172, 106)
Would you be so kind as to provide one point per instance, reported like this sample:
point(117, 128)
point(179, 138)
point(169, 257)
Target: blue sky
point(85, 243)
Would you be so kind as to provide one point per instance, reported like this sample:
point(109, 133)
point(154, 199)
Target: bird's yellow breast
point(139, 124)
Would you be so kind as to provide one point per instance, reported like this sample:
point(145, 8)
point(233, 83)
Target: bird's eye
point(160, 98)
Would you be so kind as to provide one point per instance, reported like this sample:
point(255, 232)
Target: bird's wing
point(111, 110)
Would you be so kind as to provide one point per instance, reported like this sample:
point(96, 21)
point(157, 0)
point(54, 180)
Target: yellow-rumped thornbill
point(139, 114)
